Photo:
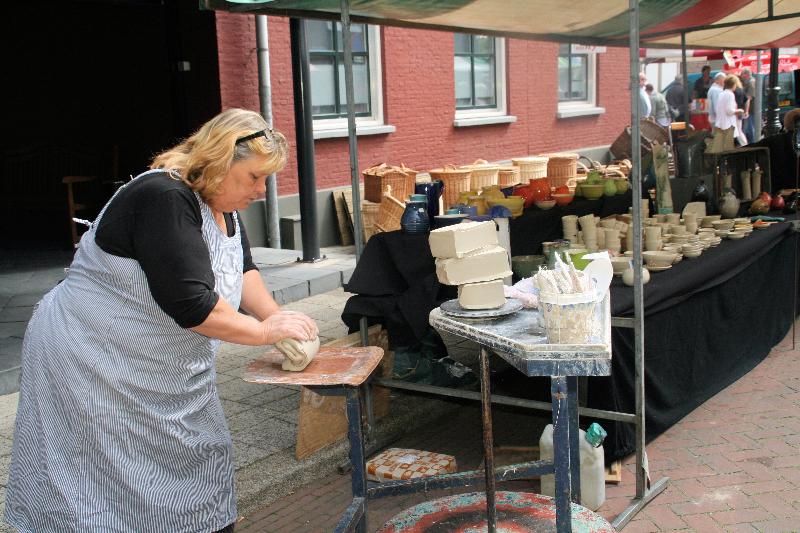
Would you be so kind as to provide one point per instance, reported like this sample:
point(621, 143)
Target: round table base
point(517, 512)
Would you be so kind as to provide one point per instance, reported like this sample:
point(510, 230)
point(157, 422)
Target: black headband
point(266, 133)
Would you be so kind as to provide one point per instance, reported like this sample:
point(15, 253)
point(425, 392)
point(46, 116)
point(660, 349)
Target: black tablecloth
point(534, 226)
point(395, 285)
point(708, 321)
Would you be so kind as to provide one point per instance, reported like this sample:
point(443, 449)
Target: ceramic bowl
point(592, 192)
point(723, 224)
point(658, 259)
point(513, 203)
point(544, 205)
point(563, 199)
point(736, 235)
point(622, 185)
point(525, 265)
point(620, 264)
point(692, 254)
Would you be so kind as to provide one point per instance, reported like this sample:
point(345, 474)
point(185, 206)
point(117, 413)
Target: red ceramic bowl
point(563, 199)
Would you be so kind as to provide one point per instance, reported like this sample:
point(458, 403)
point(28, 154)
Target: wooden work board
point(333, 365)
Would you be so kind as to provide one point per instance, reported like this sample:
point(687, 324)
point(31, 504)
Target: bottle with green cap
point(592, 464)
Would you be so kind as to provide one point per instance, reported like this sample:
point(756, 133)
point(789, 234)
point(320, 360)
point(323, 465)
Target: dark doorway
point(95, 88)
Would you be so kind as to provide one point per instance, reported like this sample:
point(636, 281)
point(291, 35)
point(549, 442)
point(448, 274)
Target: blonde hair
point(204, 159)
point(732, 82)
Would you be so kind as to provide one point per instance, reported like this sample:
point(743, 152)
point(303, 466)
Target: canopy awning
point(751, 24)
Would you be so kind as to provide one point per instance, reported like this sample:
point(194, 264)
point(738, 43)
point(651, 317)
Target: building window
point(577, 95)
point(480, 73)
point(328, 95)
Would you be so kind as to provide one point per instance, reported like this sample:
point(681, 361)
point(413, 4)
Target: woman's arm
point(227, 324)
point(256, 299)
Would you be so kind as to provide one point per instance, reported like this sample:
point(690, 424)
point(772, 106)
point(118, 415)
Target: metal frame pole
point(304, 133)
point(687, 116)
point(643, 493)
point(265, 101)
point(758, 101)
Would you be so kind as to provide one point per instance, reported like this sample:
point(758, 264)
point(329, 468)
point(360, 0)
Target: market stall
point(690, 23)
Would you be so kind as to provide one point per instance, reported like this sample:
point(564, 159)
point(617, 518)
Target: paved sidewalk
point(733, 464)
point(25, 276)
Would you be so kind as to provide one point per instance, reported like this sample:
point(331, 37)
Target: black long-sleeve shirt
point(156, 220)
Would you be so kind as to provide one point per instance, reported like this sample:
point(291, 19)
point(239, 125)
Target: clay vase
point(540, 189)
point(433, 191)
point(729, 204)
point(415, 219)
point(527, 195)
point(609, 187)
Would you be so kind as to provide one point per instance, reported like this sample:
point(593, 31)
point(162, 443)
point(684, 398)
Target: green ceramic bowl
point(524, 266)
point(592, 192)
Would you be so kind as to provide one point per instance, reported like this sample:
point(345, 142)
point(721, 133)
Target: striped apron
point(119, 425)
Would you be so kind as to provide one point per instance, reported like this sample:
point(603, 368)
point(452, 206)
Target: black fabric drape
point(696, 349)
point(535, 226)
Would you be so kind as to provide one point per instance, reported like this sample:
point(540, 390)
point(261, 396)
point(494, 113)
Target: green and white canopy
point(749, 24)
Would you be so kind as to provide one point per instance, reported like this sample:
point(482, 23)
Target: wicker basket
point(401, 179)
point(456, 181)
point(531, 167)
point(482, 174)
point(369, 215)
point(508, 176)
point(561, 168)
point(390, 212)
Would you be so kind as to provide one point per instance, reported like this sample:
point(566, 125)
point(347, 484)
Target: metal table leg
point(488, 440)
point(561, 453)
point(574, 444)
point(355, 517)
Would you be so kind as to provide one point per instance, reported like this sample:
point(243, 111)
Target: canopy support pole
point(687, 117)
point(304, 134)
point(352, 144)
point(758, 102)
point(644, 493)
point(265, 100)
point(773, 118)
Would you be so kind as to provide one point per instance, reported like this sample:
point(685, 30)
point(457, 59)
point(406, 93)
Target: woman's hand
point(288, 324)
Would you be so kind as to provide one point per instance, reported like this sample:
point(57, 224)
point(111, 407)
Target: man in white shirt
point(725, 113)
point(644, 100)
point(713, 93)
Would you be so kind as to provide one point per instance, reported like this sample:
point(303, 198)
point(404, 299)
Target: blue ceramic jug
point(415, 217)
point(433, 190)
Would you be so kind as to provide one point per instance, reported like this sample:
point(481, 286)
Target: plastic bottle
point(593, 472)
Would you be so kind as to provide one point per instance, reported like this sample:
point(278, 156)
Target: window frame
point(366, 123)
point(498, 113)
point(587, 106)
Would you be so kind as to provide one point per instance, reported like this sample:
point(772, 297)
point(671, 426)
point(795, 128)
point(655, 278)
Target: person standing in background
point(702, 84)
point(645, 108)
point(659, 110)
point(713, 93)
point(749, 86)
point(674, 98)
point(725, 122)
point(741, 103)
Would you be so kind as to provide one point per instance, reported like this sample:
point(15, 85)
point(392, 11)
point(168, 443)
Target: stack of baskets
point(401, 179)
point(369, 216)
point(456, 181)
point(561, 169)
point(390, 212)
point(533, 167)
point(482, 174)
point(508, 176)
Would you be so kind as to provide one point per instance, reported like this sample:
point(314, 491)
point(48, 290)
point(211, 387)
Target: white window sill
point(579, 111)
point(332, 133)
point(482, 121)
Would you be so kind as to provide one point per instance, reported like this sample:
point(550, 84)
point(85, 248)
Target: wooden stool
point(72, 206)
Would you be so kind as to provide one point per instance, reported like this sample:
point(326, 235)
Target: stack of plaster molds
point(469, 256)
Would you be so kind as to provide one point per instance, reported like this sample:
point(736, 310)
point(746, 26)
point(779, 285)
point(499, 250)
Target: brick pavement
point(733, 464)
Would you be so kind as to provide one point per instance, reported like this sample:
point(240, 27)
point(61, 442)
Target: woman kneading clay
point(119, 425)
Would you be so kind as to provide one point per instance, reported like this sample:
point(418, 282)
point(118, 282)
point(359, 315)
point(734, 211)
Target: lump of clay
point(485, 264)
point(460, 239)
point(297, 354)
point(482, 295)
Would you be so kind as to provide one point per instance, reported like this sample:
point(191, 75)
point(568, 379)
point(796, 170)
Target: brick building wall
point(419, 100)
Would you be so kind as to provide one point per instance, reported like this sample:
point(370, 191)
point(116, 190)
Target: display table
point(708, 321)
point(534, 226)
point(518, 339)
